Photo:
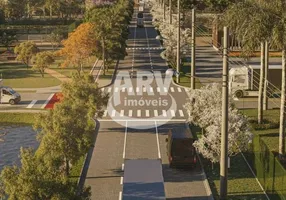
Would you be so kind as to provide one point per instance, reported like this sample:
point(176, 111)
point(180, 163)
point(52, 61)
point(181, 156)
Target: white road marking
point(165, 89)
point(120, 195)
point(138, 113)
point(113, 113)
point(47, 101)
point(130, 113)
point(172, 113)
point(151, 89)
point(105, 113)
point(32, 104)
point(125, 138)
point(122, 167)
point(172, 89)
point(181, 113)
point(158, 145)
point(123, 89)
point(137, 89)
point(116, 89)
point(121, 180)
point(130, 89)
point(158, 89)
point(121, 113)
point(179, 89)
point(147, 113)
point(144, 89)
point(156, 113)
point(143, 120)
point(109, 90)
point(164, 113)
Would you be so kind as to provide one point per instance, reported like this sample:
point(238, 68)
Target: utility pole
point(261, 84)
point(164, 8)
point(193, 65)
point(266, 65)
point(224, 126)
point(178, 44)
point(170, 7)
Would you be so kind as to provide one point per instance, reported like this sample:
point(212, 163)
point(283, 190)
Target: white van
point(8, 95)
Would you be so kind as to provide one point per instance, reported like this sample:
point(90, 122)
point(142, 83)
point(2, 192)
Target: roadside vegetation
point(7, 119)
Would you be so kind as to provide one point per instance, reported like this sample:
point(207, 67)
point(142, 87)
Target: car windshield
point(11, 90)
point(182, 147)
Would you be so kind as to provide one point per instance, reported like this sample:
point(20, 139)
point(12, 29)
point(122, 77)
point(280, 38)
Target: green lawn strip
point(75, 171)
point(270, 136)
point(185, 81)
point(108, 74)
point(17, 118)
point(67, 71)
point(241, 182)
point(17, 75)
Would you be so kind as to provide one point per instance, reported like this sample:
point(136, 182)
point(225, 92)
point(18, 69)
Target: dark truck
point(143, 180)
point(180, 150)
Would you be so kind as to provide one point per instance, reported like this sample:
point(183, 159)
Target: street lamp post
point(178, 44)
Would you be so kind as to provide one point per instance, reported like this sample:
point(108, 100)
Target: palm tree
point(256, 21)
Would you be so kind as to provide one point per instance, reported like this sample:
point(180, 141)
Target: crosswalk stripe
point(109, 89)
point(130, 113)
point(158, 89)
point(181, 113)
point(147, 113)
point(156, 113)
point(32, 104)
point(151, 89)
point(121, 113)
point(172, 113)
point(105, 113)
point(113, 113)
point(164, 113)
point(179, 89)
point(123, 89)
point(137, 89)
point(165, 89)
point(144, 89)
point(130, 89)
point(138, 113)
point(172, 89)
point(116, 89)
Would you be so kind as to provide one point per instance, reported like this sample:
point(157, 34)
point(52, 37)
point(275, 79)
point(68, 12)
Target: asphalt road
point(143, 106)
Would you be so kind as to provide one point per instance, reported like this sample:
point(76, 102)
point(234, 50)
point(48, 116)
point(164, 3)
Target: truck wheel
point(12, 101)
point(238, 94)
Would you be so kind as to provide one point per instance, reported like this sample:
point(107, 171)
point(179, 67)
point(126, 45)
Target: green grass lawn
point(17, 75)
point(185, 81)
point(108, 74)
point(269, 136)
point(17, 118)
point(67, 71)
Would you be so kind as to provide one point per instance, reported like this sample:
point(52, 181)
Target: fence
point(269, 171)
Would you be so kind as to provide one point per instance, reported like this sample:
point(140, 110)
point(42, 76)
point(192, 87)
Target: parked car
point(180, 150)
point(8, 95)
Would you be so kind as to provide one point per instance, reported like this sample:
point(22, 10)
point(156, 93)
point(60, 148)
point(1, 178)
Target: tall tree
point(258, 21)
point(43, 60)
point(79, 46)
point(25, 51)
point(35, 180)
point(7, 38)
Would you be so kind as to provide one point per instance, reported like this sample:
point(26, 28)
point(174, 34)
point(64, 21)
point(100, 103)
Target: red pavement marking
point(55, 99)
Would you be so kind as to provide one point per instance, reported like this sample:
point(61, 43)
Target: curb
point(206, 182)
